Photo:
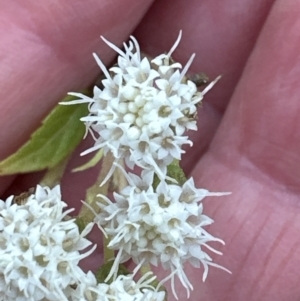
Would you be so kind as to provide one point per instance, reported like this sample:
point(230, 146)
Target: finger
point(46, 51)
point(221, 34)
point(255, 154)
point(263, 117)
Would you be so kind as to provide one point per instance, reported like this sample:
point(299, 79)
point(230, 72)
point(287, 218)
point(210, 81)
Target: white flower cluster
point(162, 226)
point(144, 109)
point(123, 288)
point(39, 248)
point(141, 115)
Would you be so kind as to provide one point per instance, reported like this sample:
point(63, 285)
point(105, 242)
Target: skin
point(248, 140)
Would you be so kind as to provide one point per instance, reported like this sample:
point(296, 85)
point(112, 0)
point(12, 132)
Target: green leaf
point(175, 172)
point(81, 224)
point(61, 131)
point(91, 163)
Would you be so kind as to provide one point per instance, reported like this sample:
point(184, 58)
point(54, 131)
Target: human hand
point(254, 150)
point(248, 139)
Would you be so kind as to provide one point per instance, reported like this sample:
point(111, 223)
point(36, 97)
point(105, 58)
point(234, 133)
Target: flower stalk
point(90, 208)
point(108, 254)
point(54, 175)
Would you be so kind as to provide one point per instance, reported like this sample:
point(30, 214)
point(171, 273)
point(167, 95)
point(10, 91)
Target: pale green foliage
point(52, 142)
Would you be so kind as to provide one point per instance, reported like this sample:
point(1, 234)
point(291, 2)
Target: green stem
point(118, 179)
point(53, 176)
point(91, 198)
point(116, 183)
point(108, 253)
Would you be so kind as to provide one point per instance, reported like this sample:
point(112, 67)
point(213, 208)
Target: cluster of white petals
point(140, 115)
point(144, 108)
point(39, 248)
point(123, 288)
point(162, 226)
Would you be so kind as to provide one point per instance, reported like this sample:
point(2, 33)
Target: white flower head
point(143, 109)
point(124, 287)
point(162, 226)
point(39, 248)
